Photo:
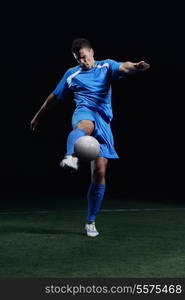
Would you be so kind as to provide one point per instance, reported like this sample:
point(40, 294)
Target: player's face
point(85, 58)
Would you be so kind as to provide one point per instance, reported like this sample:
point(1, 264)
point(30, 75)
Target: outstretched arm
point(132, 68)
point(49, 102)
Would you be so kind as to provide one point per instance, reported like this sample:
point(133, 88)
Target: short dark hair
point(80, 43)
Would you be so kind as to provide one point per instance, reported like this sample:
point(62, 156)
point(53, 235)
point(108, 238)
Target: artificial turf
point(138, 244)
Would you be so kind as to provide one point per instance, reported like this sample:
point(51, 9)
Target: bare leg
point(86, 125)
point(98, 170)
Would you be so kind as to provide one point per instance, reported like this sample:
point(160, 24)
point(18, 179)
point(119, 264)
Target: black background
point(35, 53)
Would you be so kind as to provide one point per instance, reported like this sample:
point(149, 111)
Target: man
point(90, 82)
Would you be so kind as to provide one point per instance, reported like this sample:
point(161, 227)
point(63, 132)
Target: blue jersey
point(91, 87)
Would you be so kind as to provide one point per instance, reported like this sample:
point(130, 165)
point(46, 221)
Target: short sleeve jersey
point(92, 87)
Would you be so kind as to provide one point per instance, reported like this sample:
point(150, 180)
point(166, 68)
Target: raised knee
point(88, 129)
point(87, 126)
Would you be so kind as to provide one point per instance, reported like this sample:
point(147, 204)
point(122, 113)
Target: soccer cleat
point(70, 163)
point(91, 229)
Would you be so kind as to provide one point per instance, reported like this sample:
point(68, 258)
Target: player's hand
point(34, 123)
point(142, 66)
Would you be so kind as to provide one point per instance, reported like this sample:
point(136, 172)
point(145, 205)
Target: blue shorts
point(102, 131)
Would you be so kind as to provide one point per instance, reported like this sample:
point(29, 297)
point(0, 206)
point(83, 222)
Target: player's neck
point(92, 66)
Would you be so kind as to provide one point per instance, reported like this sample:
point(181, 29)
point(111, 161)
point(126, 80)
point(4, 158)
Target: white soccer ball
point(87, 148)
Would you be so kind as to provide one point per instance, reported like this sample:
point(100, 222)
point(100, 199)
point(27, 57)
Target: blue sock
point(72, 137)
point(95, 197)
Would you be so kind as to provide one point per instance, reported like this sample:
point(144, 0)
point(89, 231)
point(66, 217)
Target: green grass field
point(137, 244)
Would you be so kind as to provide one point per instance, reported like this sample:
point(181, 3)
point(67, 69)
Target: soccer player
point(90, 82)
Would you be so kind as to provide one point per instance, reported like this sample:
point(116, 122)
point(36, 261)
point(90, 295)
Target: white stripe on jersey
point(69, 79)
point(104, 65)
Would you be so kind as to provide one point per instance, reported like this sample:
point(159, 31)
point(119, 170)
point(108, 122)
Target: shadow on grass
point(19, 229)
